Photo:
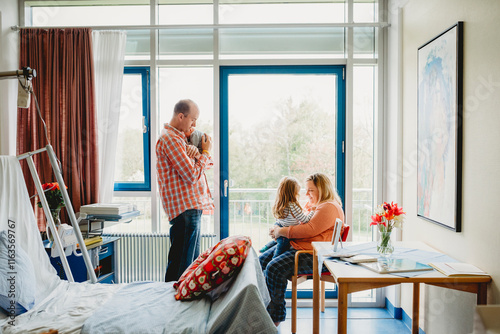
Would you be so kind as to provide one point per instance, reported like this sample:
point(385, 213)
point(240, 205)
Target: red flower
point(397, 211)
point(53, 195)
point(376, 219)
point(387, 216)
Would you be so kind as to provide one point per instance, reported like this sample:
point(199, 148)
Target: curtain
point(64, 86)
point(109, 57)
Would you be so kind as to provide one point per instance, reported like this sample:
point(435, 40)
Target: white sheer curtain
point(109, 56)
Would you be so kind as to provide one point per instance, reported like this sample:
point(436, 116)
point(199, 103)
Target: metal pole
point(28, 72)
point(52, 225)
point(71, 214)
point(25, 155)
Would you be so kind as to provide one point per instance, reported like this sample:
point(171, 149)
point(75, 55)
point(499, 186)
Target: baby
point(194, 137)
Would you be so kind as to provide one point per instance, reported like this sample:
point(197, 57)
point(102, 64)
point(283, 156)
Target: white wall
point(443, 310)
point(9, 61)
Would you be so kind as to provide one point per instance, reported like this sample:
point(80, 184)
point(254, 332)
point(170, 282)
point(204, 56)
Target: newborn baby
point(194, 137)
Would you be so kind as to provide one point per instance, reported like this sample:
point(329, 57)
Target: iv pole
point(28, 74)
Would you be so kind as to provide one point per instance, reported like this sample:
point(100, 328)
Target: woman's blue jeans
point(185, 243)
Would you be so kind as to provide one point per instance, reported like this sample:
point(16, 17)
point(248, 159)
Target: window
point(194, 43)
point(132, 168)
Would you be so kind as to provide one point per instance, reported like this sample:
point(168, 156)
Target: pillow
point(17, 282)
point(213, 267)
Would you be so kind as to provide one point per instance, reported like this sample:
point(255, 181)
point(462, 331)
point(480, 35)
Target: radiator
point(144, 257)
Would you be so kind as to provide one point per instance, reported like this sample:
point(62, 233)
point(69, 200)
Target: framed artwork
point(439, 128)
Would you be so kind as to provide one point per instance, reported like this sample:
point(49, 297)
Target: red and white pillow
point(212, 268)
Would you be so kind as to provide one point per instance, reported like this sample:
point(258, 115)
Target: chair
point(300, 278)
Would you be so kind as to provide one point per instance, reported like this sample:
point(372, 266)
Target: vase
point(56, 216)
point(384, 246)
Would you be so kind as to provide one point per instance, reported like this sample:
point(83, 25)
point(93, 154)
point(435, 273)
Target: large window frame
point(226, 71)
point(350, 57)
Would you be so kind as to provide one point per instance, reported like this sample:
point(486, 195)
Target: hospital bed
point(141, 307)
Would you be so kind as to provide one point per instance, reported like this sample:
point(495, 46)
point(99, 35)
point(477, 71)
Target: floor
point(359, 321)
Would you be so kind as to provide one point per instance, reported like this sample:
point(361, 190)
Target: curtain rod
point(224, 26)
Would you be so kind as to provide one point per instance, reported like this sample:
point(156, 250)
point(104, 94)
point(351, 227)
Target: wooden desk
point(356, 278)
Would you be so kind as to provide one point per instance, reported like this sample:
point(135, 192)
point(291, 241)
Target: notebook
point(359, 258)
point(457, 269)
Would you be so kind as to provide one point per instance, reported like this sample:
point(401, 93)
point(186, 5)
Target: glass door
point(277, 121)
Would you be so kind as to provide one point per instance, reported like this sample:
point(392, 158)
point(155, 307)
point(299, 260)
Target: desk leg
point(416, 308)
point(482, 290)
point(342, 308)
point(315, 293)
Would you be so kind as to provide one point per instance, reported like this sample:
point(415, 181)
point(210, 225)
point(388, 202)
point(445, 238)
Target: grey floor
point(359, 321)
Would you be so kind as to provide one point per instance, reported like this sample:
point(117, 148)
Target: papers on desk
point(388, 266)
point(121, 218)
point(457, 269)
point(107, 208)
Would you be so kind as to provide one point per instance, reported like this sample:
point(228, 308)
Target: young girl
point(287, 212)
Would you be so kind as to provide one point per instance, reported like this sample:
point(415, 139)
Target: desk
point(356, 278)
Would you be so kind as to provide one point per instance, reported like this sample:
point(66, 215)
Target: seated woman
point(323, 196)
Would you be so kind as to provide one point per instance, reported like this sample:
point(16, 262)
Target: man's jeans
point(185, 243)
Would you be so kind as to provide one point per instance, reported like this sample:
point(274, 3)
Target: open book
point(457, 269)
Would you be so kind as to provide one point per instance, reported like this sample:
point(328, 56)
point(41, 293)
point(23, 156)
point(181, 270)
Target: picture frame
point(439, 128)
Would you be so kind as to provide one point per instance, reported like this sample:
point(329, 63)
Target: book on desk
point(359, 258)
point(457, 269)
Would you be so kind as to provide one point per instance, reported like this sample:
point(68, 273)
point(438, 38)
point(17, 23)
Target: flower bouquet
point(387, 217)
point(54, 196)
point(55, 200)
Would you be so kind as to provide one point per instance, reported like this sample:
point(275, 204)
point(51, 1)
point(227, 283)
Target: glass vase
point(56, 216)
point(384, 246)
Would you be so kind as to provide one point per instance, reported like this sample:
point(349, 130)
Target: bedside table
point(102, 255)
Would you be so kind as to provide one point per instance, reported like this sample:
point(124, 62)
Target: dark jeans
point(282, 245)
point(185, 243)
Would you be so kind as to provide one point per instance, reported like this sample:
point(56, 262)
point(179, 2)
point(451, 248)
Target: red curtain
point(64, 86)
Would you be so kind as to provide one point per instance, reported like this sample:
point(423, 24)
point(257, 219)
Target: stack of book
point(108, 208)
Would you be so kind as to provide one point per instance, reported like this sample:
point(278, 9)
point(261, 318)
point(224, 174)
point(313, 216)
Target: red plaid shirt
point(182, 181)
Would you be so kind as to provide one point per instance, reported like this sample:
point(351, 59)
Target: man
point(183, 186)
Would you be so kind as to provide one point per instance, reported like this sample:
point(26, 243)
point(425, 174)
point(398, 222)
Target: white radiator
point(144, 257)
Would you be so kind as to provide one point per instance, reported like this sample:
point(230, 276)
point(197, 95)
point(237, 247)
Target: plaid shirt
point(182, 181)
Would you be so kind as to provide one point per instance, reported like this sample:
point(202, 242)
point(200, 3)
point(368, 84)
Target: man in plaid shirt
point(183, 186)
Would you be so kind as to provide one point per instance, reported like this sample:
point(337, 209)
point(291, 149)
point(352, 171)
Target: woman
point(328, 206)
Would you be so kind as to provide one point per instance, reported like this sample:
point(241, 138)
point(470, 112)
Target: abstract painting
point(439, 129)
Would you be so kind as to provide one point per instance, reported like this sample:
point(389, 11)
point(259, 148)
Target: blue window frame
point(225, 72)
point(145, 184)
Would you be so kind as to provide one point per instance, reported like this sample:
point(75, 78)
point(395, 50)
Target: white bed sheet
point(65, 309)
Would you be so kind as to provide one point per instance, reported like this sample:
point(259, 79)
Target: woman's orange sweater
point(319, 228)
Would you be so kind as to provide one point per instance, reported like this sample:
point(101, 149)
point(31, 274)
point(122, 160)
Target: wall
point(9, 61)
point(442, 310)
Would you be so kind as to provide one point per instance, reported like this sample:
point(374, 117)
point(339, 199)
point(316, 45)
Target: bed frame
point(69, 208)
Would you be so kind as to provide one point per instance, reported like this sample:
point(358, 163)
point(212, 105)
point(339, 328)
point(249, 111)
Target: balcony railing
point(250, 213)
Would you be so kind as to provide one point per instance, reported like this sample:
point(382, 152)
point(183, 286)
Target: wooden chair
point(299, 278)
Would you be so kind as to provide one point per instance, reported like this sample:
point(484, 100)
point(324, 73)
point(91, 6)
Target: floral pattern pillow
point(213, 267)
